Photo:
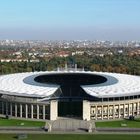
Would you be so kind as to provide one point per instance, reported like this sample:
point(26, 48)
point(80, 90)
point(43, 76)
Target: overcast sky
point(70, 19)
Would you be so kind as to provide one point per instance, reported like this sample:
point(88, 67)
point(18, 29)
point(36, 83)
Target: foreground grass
point(23, 123)
point(121, 123)
point(71, 137)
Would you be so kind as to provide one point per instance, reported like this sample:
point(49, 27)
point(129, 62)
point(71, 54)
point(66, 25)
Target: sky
point(70, 19)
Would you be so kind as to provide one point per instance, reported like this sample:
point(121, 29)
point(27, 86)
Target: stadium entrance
point(70, 109)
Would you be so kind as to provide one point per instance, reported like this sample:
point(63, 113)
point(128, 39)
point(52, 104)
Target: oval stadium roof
point(23, 84)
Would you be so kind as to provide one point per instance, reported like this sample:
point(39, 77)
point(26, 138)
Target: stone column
point(37, 111)
point(86, 110)
point(138, 108)
point(96, 112)
point(6, 108)
point(102, 112)
point(15, 110)
point(21, 110)
point(53, 110)
point(124, 110)
point(119, 111)
point(2, 107)
point(108, 112)
point(132, 109)
point(128, 109)
point(26, 111)
point(43, 112)
point(113, 111)
point(11, 109)
point(31, 111)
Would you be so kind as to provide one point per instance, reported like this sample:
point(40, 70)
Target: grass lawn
point(121, 123)
point(71, 137)
point(23, 123)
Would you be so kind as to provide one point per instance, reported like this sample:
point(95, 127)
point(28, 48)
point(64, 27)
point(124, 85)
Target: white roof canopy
point(23, 84)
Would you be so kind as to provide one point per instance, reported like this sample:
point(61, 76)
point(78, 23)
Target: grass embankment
point(121, 123)
point(71, 137)
point(22, 123)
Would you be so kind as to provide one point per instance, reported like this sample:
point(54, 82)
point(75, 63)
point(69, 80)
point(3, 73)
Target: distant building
point(63, 54)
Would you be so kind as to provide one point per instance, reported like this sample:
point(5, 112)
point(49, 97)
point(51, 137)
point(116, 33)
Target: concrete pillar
point(37, 111)
point(31, 111)
point(53, 110)
point(21, 110)
point(26, 111)
point(11, 109)
point(86, 110)
point(15, 110)
point(43, 112)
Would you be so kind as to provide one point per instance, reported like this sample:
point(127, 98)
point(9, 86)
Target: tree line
point(108, 63)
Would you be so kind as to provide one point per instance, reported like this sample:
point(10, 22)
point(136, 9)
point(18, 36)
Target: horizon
point(70, 20)
point(66, 40)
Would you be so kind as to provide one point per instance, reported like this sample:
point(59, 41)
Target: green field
point(71, 137)
point(22, 123)
point(121, 123)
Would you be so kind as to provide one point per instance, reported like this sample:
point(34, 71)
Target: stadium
point(70, 94)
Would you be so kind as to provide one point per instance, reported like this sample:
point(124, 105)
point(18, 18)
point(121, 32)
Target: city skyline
point(70, 20)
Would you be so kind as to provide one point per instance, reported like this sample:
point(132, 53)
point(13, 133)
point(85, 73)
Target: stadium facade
point(80, 94)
